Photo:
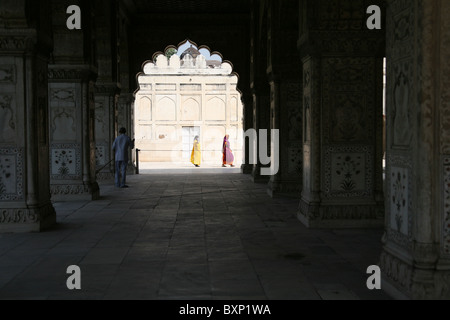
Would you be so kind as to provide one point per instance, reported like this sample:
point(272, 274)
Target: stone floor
point(203, 236)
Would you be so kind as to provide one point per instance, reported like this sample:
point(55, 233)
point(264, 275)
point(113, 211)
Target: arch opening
point(184, 92)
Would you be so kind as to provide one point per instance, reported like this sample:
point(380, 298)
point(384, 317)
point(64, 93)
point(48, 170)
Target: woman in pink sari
point(228, 157)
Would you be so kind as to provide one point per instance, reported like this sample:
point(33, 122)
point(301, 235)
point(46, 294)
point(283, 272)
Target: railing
point(137, 160)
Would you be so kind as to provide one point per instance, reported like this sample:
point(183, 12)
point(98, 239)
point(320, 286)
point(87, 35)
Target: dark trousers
point(121, 173)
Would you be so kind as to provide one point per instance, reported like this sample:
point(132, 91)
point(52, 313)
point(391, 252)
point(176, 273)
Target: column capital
point(107, 88)
point(75, 73)
point(24, 40)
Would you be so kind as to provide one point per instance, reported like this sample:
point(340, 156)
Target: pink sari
point(228, 157)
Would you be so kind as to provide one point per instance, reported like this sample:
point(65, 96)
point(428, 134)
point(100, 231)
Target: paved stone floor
point(204, 236)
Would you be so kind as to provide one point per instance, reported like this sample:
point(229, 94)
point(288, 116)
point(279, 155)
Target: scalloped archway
point(201, 87)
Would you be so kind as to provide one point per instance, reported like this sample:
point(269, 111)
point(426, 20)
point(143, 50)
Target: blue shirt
point(121, 145)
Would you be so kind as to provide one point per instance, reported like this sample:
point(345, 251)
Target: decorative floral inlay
point(348, 168)
point(63, 162)
point(399, 200)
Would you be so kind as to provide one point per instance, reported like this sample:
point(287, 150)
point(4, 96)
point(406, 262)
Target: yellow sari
point(196, 156)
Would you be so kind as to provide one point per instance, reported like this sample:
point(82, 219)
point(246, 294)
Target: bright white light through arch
point(178, 99)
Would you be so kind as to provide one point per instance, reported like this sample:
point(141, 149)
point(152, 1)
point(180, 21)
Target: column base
point(246, 169)
point(319, 216)
point(257, 177)
point(75, 192)
point(402, 280)
point(106, 175)
point(22, 220)
point(289, 189)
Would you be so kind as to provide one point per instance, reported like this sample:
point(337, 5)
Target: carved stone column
point(284, 73)
point(259, 84)
point(24, 163)
point(72, 149)
point(343, 100)
point(261, 121)
point(286, 116)
point(416, 258)
point(125, 116)
point(247, 102)
point(107, 18)
point(72, 76)
point(106, 104)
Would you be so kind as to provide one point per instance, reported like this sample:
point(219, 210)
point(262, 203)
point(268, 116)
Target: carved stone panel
point(445, 78)
point(446, 208)
point(348, 118)
point(295, 166)
point(101, 121)
point(63, 113)
point(11, 174)
point(7, 119)
point(65, 161)
point(401, 130)
point(63, 124)
point(295, 121)
point(339, 14)
point(399, 200)
point(348, 172)
point(100, 155)
point(7, 74)
point(347, 101)
point(62, 94)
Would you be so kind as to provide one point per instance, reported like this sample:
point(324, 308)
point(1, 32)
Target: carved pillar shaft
point(286, 117)
point(284, 73)
point(24, 180)
point(106, 113)
point(247, 102)
point(416, 258)
point(72, 148)
point(261, 120)
point(343, 81)
point(72, 76)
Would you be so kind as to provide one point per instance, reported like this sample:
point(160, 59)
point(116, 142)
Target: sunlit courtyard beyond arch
point(186, 94)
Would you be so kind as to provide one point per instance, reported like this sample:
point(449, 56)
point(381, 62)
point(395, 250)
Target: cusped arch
point(166, 109)
point(144, 109)
point(191, 110)
point(216, 109)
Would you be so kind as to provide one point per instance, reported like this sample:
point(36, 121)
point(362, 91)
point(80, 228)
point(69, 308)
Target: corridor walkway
point(185, 236)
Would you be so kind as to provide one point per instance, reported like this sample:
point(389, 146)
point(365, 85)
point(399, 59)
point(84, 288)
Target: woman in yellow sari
point(196, 156)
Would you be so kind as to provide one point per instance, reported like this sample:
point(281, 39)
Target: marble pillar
point(342, 117)
point(72, 75)
point(72, 148)
point(286, 117)
point(106, 112)
point(415, 262)
point(25, 46)
point(261, 121)
point(107, 88)
point(247, 102)
point(285, 79)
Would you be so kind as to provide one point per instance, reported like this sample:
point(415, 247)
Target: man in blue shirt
point(120, 146)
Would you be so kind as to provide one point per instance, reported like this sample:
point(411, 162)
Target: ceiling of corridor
point(188, 6)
